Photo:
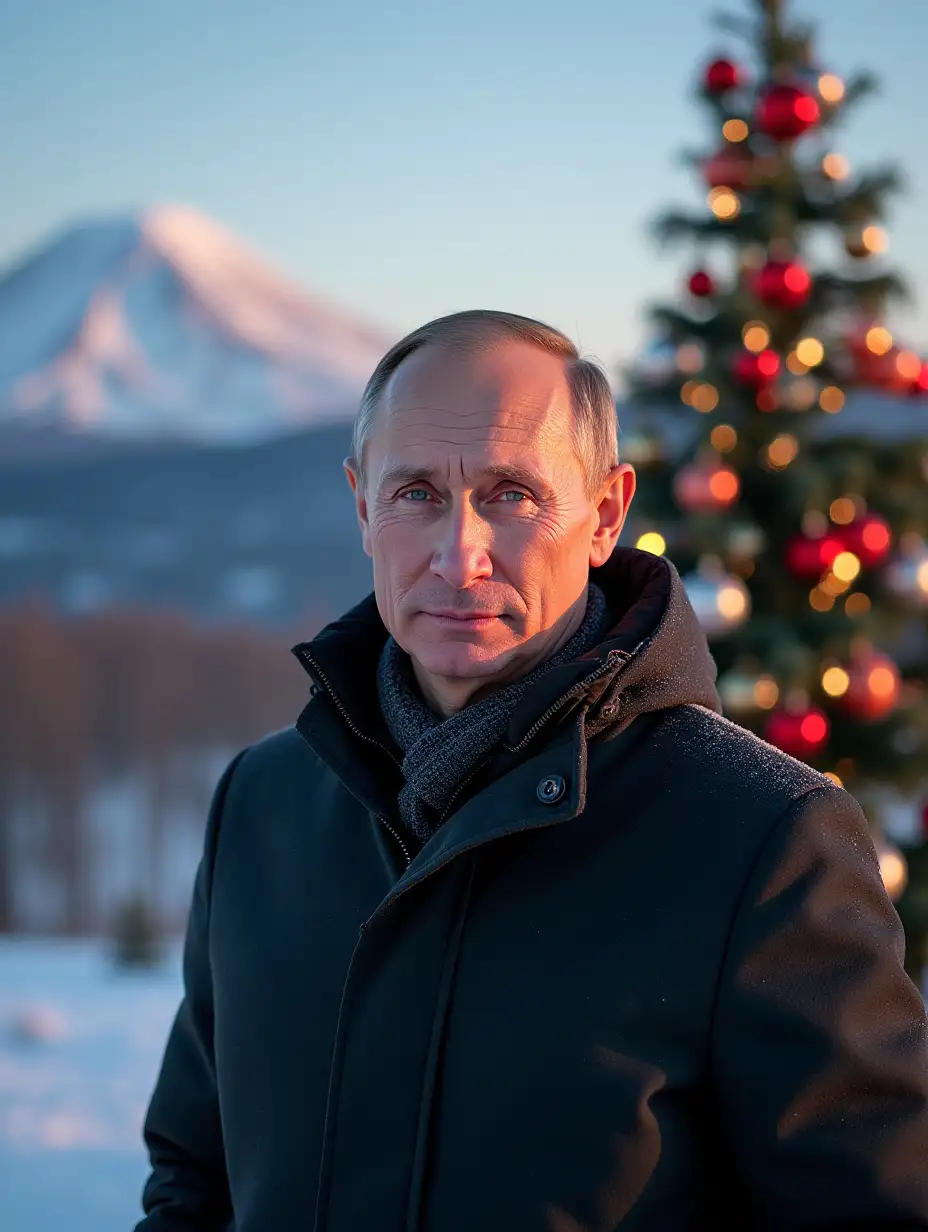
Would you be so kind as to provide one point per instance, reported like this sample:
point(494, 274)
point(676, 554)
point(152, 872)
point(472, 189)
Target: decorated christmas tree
point(782, 437)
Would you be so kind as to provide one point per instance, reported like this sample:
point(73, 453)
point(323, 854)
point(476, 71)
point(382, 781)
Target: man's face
point(476, 514)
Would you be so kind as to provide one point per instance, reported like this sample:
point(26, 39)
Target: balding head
point(594, 426)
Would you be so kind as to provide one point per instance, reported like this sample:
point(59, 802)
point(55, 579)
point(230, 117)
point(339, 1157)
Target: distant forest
point(116, 695)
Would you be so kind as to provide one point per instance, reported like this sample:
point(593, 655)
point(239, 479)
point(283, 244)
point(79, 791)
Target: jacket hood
point(655, 656)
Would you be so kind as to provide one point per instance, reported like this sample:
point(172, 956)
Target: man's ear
point(615, 496)
point(356, 483)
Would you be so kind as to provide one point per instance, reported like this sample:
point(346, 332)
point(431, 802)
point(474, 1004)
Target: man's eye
point(418, 495)
point(513, 496)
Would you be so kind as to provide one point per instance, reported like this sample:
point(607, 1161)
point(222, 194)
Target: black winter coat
point(645, 976)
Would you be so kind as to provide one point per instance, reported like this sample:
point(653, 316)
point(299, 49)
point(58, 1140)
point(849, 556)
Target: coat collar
point(654, 656)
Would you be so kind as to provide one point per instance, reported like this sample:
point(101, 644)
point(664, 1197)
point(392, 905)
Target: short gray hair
point(595, 425)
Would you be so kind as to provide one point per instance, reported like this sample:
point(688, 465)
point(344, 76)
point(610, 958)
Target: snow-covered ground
point(80, 1047)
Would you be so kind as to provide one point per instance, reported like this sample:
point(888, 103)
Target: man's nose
point(461, 556)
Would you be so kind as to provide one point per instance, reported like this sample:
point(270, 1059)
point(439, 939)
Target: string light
point(795, 365)
point(878, 339)
point(723, 438)
point(845, 566)
point(831, 88)
point(735, 130)
point(724, 485)
point(836, 166)
point(809, 351)
point(842, 511)
point(686, 392)
point(782, 450)
point(731, 602)
point(908, 365)
point(766, 692)
point(723, 203)
point(832, 585)
point(831, 399)
point(755, 336)
point(893, 868)
point(835, 681)
point(704, 398)
point(820, 600)
point(874, 238)
point(857, 604)
point(653, 542)
point(882, 682)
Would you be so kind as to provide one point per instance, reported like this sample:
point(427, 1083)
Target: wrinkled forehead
point(510, 399)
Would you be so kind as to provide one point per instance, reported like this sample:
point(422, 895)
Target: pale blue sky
point(410, 158)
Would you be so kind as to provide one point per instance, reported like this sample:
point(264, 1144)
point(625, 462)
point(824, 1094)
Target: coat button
point(550, 789)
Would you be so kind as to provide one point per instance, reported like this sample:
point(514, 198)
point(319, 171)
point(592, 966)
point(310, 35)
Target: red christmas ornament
point(869, 538)
point(807, 559)
point(701, 284)
point(874, 689)
point(723, 75)
point(799, 733)
point(757, 370)
point(730, 168)
point(783, 284)
point(785, 112)
point(705, 488)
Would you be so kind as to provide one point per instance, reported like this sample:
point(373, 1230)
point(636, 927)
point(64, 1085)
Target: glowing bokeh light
point(874, 238)
point(782, 450)
point(809, 351)
point(845, 566)
point(724, 485)
point(755, 336)
point(735, 130)
point(857, 604)
point(704, 398)
point(831, 88)
point(831, 399)
point(723, 203)
point(724, 438)
point(835, 681)
point(878, 339)
point(836, 166)
point(731, 602)
point(653, 542)
point(842, 511)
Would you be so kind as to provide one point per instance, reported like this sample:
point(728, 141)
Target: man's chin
point(474, 659)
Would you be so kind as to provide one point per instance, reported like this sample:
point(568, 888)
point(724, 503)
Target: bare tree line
point(88, 700)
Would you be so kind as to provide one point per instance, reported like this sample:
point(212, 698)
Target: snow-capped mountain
point(166, 324)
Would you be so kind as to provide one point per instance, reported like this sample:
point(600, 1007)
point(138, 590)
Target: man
point(512, 930)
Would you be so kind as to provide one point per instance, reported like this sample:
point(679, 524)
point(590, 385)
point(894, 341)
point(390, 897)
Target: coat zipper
point(532, 731)
point(307, 658)
point(402, 846)
point(566, 697)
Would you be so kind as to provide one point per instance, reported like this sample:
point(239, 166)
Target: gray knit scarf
point(439, 755)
